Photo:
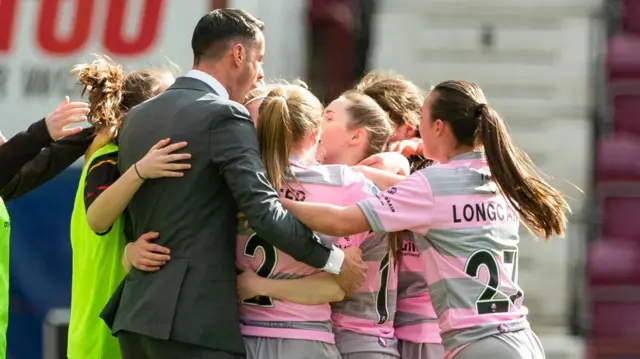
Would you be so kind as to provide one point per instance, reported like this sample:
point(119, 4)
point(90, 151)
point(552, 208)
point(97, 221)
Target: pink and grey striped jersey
point(415, 320)
point(363, 322)
point(267, 317)
point(470, 238)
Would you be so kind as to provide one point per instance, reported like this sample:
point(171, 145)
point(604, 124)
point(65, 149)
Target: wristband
point(135, 167)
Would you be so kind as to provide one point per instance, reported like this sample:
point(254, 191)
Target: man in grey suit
point(188, 308)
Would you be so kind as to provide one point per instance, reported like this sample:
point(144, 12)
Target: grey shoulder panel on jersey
point(459, 181)
point(330, 175)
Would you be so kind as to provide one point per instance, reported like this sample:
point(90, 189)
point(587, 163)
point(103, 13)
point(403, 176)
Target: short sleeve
point(102, 173)
point(406, 206)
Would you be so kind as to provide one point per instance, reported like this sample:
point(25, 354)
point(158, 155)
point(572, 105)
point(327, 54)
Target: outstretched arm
point(382, 178)
point(23, 147)
point(329, 219)
point(47, 164)
point(407, 205)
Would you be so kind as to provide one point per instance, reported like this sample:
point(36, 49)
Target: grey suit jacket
point(192, 299)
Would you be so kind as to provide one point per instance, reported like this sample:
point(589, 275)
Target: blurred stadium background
point(564, 73)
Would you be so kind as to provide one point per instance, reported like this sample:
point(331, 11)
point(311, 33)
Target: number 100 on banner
point(66, 27)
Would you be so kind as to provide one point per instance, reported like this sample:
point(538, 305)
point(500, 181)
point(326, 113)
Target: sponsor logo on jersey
point(503, 328)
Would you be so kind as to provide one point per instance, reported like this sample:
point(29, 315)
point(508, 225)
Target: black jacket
point(31, 158)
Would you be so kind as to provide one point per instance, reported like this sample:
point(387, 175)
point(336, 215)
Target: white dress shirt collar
point(209, 80)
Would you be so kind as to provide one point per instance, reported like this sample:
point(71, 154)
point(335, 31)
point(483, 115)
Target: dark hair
point(112, 93)
point(399, 97)
point(464, 107)
point(212, 35)
point(417, 161)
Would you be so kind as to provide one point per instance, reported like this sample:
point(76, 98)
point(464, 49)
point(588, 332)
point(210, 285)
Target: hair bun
point(102, 75)
point(480, 109)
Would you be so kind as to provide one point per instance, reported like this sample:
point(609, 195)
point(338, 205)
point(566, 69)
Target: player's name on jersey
point(483, 212)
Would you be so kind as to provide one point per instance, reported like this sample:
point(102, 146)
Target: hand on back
point(353, 271)
point(249, 283)
point(145, 255)
point(160, 161)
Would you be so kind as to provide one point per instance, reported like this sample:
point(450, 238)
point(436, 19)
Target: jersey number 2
point(492, 299)
point(269, 261)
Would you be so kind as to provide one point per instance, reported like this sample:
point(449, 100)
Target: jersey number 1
point(382, 306)
point(492, 299)
point(269, 261)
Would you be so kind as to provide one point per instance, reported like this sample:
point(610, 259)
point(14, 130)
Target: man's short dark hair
point(214, 30)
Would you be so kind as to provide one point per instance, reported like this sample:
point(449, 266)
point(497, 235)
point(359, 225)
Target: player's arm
point(315, 289)
point(145, 255)
point(406, 206)
point(383, 179)
point(22, 148)
point(111, 202)
point(47, 164)
point(234, 151)
point(102, 173)
point(388, 161)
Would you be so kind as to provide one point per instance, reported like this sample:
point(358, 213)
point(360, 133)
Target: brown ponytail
point(288, 114)
point(463, 105)
point(395, 246)
point(112, 92)
point(275, 138)
point(103, 81)
point(541, 207)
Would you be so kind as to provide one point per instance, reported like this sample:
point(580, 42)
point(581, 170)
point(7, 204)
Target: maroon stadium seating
point(620, 217)
point(610, 320)
point(330, 23)
point(613, 262)
point(614, 331)
point(631, 16)
point(618, 158)
point(626, 113)
point(623, 57)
